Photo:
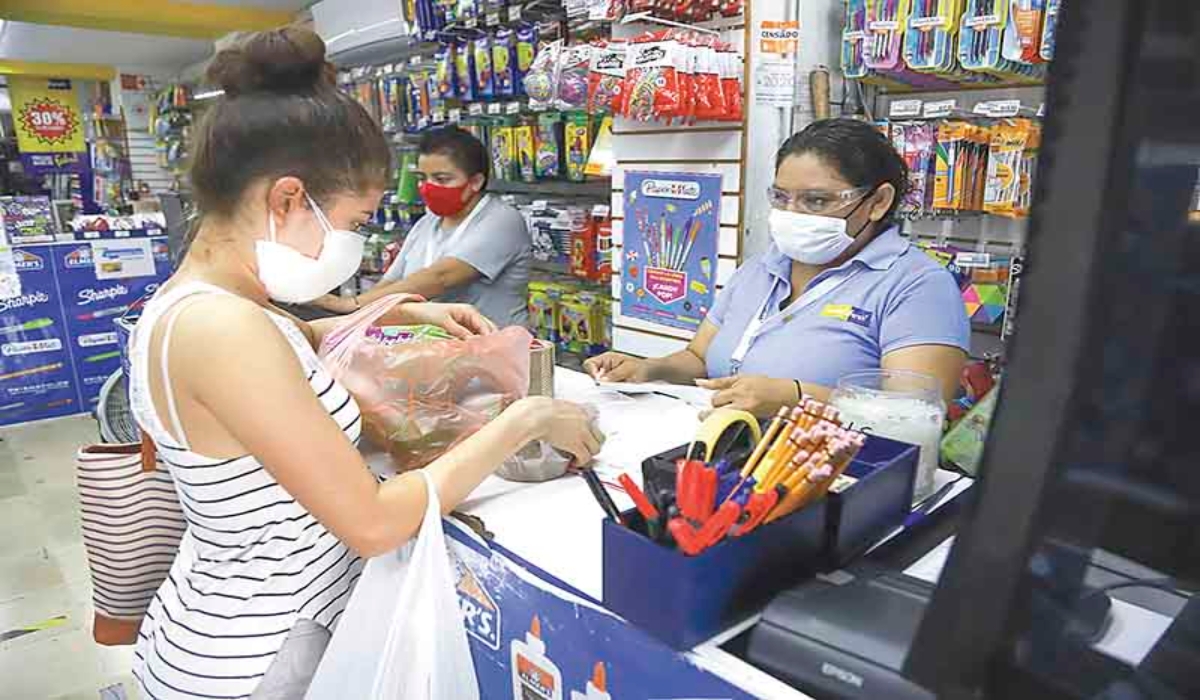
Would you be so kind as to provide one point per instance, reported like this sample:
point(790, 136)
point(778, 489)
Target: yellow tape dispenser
point(726, 430)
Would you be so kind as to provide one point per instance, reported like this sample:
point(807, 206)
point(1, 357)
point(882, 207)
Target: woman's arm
point(944, 362)
point(683, 367)
point(234, 365)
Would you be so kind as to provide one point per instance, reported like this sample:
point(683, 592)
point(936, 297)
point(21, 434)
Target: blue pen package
point(526, 39)
point(444, 62)
point(464, 70)
point(504, 48)
point(485, 84)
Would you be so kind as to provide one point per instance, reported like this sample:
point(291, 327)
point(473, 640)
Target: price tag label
point(414, 61)
point(1004, 108)
point(475, 109)
point(389, 226)
point(982, 21)
point(600, 211)
point(512, 108)
point(540, 205)
point(973, 259)
point(153, 232)
point(493, 18)
point(439, 116)
point(493, 108)
point(883, 26)
point(928, 22)
point(456, 115)
point(120, 234)
point(514, 13)
point(89, 235)
point(854, 36)
point(471, 23)
point(1042, 110)
point(941, 108)
point(905, 108)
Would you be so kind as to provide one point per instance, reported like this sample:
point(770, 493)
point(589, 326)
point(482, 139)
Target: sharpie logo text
point(88, 296)
point(24, 300)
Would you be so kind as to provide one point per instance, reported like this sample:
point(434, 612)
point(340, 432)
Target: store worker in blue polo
point(838, 291)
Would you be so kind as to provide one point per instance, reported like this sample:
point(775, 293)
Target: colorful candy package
point(606, 75)
point(485, 82)
point(464, 70)
point(504, 48)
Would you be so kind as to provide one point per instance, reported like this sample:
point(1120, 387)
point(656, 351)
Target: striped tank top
point(252, 562)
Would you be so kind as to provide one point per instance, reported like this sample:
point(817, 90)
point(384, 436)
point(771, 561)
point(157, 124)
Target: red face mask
point(443, 200)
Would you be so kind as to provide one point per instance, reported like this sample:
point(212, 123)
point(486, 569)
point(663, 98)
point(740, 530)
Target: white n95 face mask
point(292, 277)
point(808, 238)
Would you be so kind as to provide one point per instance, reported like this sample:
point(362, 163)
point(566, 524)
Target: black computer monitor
point(1094, 452)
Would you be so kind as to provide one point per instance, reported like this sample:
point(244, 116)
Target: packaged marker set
point(939, 44)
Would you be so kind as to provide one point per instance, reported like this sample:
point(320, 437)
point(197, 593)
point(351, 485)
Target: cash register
point(1074, 568)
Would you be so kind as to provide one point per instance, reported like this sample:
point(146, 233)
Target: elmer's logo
point(481, 615)
point(27, 262)
point(846, 312)
point(80, 257)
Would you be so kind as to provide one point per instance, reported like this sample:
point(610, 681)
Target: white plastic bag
point(401, 636)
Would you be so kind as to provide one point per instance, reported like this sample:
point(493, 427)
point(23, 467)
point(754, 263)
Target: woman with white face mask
point(259, 438)
point(838, 291)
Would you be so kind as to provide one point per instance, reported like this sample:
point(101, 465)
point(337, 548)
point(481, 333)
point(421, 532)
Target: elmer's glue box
point(597, 689)
point(535, 677)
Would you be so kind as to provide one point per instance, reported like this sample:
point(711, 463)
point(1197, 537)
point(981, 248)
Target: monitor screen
point(1074, 574)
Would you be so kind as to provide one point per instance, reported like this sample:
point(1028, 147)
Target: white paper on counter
point(694, 395)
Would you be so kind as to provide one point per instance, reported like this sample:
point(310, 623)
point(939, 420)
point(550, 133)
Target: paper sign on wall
point(775, 68)
point(120, 259)
point(46, 115)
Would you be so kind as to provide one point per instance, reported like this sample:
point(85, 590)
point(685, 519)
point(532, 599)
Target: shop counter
point(531, 588)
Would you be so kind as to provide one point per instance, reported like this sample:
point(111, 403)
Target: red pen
point(685, 536)
point(643, 504)
point(718, 525)
point(707, 493)
point(757, 508)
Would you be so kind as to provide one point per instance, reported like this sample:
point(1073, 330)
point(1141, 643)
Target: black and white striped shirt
point(252, 562)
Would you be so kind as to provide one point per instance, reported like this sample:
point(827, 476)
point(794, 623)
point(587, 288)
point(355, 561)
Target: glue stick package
point(485, 83)
point(464, 70)
point(504, 63)
point(548, 143)
point(444, 60)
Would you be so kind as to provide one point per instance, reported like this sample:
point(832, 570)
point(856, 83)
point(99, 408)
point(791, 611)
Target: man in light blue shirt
point(839, 291)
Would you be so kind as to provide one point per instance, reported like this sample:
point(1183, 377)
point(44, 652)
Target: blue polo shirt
point(889, 296)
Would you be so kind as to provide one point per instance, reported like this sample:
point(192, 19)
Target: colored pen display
point(803, 452)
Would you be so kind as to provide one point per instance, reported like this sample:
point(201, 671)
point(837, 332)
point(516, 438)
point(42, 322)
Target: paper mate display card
point(669, 258)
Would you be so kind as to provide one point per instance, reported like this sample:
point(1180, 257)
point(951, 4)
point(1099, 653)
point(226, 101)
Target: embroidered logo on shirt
point(846, 312)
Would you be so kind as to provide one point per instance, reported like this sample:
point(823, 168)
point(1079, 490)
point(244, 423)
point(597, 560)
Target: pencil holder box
point(879, 500)
point(685, 600)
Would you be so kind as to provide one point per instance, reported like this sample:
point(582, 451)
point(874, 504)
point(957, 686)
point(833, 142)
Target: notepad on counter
point(694, 395)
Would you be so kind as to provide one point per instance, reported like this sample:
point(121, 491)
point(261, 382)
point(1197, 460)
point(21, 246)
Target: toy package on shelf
point(1049, 30)
point(983, 280)
point(591, 247)
point(984, 30)
point(576, 320)
point(681, 75)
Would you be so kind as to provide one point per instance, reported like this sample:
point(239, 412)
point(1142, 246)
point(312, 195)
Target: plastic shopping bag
point(421, 397)
point(401, 636)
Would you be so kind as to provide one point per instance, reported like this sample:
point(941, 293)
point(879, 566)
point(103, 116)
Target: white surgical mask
point(808, 238)
point(292, 277)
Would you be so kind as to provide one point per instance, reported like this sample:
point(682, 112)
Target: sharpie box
point(686, 600)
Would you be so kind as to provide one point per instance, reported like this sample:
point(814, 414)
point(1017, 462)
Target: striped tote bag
point(132, 523)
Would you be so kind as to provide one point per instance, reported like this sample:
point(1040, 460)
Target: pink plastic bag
point(420, 399)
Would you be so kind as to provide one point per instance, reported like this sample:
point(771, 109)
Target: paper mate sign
point(668, 262)
point(91, 305)
point(37, 378)
point(553, 639)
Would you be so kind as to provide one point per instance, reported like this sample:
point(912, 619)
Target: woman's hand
point(335, 304)
point(568, 427)
point(616, 367)
point(459, 320)
point(761, 396)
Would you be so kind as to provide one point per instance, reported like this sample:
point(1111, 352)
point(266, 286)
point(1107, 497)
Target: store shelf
point(599, 188)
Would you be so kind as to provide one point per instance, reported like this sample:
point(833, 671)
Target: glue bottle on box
point(535, 677)
point(597, 689)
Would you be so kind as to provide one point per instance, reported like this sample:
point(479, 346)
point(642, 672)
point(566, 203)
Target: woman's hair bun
point(286, 60)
